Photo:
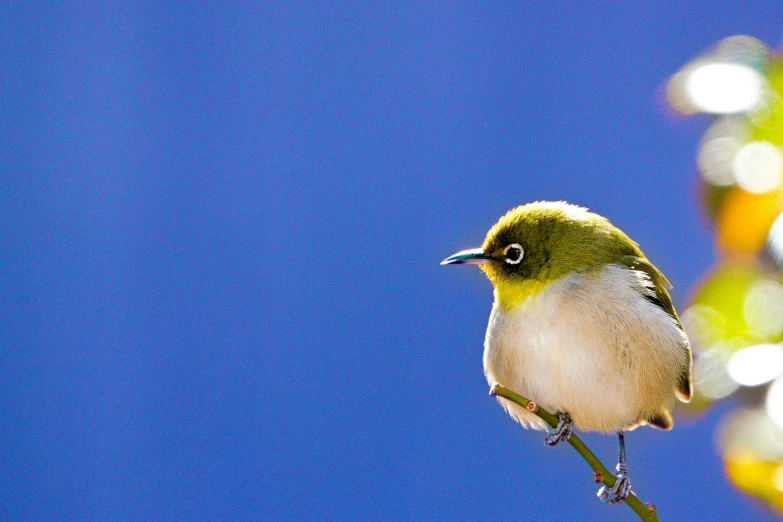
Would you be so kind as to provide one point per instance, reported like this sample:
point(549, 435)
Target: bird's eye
point(513, 253)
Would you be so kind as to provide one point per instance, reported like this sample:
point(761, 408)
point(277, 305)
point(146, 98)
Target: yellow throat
point(512, 293)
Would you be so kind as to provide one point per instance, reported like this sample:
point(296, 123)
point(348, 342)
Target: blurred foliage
point(735, 314)
point(743, 220)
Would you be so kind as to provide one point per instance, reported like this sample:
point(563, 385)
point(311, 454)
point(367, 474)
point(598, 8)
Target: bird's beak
point(475, 256)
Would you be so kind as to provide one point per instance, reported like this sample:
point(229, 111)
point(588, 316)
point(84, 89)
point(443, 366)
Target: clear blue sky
point(220, 238)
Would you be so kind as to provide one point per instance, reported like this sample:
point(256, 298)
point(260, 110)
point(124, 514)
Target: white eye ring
point(521, 253)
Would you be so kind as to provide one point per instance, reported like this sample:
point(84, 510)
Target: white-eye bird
point(582, 324)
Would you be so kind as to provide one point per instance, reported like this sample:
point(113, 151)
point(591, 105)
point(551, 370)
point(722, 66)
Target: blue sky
point(220, 246)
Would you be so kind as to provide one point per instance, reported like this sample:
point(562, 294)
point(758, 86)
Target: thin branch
point(600, 473)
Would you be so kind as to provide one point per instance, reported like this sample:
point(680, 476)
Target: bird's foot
point(563, 430)
point(619, 492)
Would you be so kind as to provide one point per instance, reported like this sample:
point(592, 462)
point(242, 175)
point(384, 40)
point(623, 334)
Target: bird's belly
point(605, 362)
point(531, 362)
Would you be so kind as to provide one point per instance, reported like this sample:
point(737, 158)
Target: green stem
point(600, 473)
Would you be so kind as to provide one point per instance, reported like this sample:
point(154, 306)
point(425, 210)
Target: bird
point(583, 324)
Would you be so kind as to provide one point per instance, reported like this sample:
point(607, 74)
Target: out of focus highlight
point(735, 315)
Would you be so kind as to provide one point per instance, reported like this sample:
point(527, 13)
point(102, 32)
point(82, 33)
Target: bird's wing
point(659, 296)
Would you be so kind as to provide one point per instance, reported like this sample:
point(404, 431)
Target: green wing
point(660, 297)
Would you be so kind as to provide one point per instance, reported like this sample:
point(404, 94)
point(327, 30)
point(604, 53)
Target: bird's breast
point(588, 344)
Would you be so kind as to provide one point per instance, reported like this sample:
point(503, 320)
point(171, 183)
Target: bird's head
point(538, 243)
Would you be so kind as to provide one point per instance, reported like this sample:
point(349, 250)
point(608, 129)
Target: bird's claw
point(563, 430)
point(621, 489)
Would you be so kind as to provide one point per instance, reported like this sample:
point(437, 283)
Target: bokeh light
point(775, 241)
point(723, 302)
point(711, 378)
point(763, 307)
point(756, 365)
point(716, 160)
point(758, 167)
point(728, 80)
point(724, 88)
point(752, 448)
point(735, 315)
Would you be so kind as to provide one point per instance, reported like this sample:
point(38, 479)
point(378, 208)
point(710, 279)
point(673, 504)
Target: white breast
point(590, 345)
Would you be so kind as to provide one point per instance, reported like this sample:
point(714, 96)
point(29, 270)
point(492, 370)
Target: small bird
point(583, 324)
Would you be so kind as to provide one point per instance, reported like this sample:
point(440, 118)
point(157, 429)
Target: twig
point(600, 473)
